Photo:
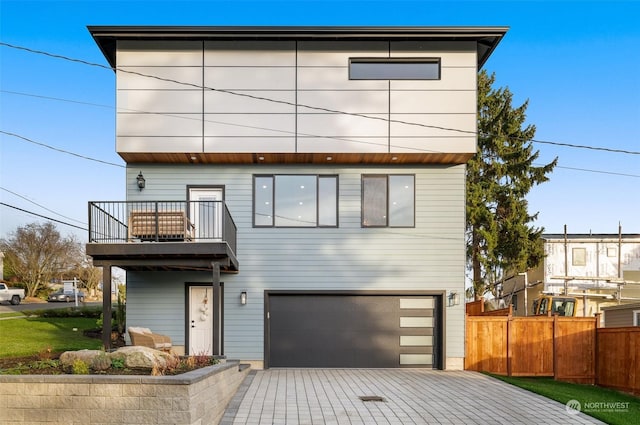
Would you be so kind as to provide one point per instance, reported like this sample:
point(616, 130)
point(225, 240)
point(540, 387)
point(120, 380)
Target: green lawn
point(601, 403)
point(24, 337)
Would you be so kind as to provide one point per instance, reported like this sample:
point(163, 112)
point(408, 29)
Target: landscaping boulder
point(142, 357)
point(68, 357)
point(133, 357)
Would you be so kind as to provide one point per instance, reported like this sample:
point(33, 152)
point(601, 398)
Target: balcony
point(162, 235)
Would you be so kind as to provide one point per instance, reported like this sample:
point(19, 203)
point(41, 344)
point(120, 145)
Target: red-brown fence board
point(531, 346)
point(618, 358)
point(486, 341)
point(575, 351)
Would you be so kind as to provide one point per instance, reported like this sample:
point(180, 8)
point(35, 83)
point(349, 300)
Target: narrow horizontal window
point(394, 69)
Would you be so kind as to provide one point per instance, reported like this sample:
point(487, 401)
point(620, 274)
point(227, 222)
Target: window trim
point(578, 256)
point(399, 60)
point(636, 317)
point(273, 201)
point(363, 225)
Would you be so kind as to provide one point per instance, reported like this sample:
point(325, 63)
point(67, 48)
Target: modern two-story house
point(295, 195)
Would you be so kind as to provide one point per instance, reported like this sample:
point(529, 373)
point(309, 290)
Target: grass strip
point(34, 335)
point(607, 405)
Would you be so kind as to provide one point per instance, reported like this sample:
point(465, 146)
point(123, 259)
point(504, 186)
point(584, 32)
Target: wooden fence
point(572, 349)
point(618, 358)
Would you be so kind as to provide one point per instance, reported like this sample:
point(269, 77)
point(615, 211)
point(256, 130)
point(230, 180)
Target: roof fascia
point(486, 37)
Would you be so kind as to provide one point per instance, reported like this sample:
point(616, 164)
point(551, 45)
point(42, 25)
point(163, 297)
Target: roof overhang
point(487, 38)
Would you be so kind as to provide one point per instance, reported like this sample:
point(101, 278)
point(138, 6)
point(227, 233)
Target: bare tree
point(36, 253)
point(90, 275)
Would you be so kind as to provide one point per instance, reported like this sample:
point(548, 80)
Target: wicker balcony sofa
point(144, 337)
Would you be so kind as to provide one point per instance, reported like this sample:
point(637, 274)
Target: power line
point(598, 171)
point(284, 102)
point(305, 134)
point(250, 96)
point(595, 148)
point(41, 206)
point(26, 139)
point(43, 216)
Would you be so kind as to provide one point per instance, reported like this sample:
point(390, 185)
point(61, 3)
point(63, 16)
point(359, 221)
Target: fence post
point(596, 363)
point(555, 346)
point(509, 339)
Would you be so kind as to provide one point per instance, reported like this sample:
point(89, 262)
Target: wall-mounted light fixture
point(243, 297)
point(454, 298)
point(140, 180)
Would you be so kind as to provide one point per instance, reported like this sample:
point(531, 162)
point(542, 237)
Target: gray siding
point(619, 317)
point(428, 257)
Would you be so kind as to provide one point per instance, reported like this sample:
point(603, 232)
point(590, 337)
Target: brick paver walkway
point(411, 396)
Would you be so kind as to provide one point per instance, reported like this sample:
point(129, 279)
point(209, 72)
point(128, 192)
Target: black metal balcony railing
point(161, 221)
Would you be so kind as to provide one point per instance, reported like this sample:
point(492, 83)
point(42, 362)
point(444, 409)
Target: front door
point(205, 212)
point(200, 320)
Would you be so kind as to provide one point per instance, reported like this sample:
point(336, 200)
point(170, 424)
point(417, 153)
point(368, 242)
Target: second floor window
point(295, 201)
point(388, 200)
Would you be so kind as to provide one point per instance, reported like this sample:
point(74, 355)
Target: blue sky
point(577, 62)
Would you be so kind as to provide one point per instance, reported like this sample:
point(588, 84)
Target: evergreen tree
point(500, 234)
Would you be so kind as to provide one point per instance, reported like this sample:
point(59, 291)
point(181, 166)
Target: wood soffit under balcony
point(297, 158)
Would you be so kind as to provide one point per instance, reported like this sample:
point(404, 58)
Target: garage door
point(342, 330)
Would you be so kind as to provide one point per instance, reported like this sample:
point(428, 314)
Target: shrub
point(117, 363)
point(79, 368)
point(90, 312)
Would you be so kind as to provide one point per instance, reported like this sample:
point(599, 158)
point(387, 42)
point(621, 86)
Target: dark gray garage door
point(329, 330)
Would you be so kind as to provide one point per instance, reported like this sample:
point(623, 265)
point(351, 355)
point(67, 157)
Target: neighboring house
point(622, 315)
point(295, 195)
point(599, 270)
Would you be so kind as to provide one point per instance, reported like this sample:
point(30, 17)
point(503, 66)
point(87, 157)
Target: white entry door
point(200, 320)
point(206, 214)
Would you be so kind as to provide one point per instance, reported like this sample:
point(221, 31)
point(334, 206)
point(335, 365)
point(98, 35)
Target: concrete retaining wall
point(198, 397)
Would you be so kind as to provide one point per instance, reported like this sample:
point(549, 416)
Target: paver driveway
point(411, 396)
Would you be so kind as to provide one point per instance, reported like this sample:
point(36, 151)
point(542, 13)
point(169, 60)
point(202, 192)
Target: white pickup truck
point(14, 296)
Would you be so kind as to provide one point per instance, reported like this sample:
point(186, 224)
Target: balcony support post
point(216, 309)
point(106, 306)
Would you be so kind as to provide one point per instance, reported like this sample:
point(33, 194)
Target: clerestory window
point(394, 69)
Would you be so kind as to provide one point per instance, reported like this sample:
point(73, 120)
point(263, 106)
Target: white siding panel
point(221, 102)
point(249, 144)
point(162, 101)
point(433, 145)
point(250, 78)
point(158, 144)
point(341, 125)
point(353, 101)
point(159, 53)
point(188, 125)
point(250, 53)
point(451, 79)
point(245, 125)
point(457, 53)
point(433, 125)
point(336, 78)
point(147, 77)
point(434, 101)
point(343, 144)
point(327, 53)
